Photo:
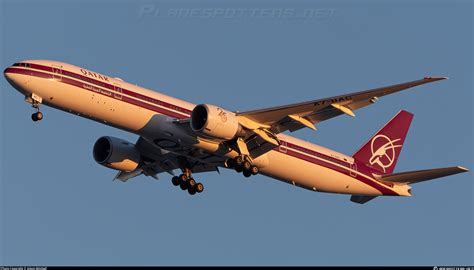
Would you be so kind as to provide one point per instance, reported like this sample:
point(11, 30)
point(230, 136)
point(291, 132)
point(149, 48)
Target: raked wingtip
point(435, 78)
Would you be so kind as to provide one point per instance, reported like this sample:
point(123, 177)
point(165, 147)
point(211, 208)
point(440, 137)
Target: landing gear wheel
point(183, 178)
point(37, 116)
point(230, 163)
point(239, 160)
point(247, 173)
point(192, 191)
point(191, 183)
point(199, 187)
point(239, 168)
point(254, 170)
point(183, 185)
point(247, 165)
point(175, 180)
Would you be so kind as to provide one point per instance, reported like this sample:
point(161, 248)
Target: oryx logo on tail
point(383, 151)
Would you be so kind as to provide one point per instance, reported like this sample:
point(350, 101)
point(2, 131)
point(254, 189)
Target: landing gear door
point(57, 72)
point(117, 91)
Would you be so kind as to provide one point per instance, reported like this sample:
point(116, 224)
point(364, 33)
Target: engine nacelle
point(215, 122)
point(117, 154)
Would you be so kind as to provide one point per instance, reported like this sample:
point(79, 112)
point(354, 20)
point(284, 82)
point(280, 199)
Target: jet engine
point(215, 122)
point(117, 154)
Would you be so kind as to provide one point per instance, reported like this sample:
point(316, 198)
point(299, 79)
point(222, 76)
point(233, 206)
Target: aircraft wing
point(157, 160)
point(306, 114)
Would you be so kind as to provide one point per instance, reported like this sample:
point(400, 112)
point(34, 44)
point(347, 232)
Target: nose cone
point(18, 81)
point(7, 74)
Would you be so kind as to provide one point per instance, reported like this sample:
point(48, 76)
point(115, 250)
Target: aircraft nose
point(16, 80)
point(7, 74)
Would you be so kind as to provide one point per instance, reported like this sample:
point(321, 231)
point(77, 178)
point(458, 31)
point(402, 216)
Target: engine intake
point(215, 122)
point(117, 154)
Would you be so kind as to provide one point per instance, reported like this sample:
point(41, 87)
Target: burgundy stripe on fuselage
point(111, 87)
point(185, 114)
point(107, 93)
point(384, 190)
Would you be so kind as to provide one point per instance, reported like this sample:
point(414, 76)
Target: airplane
point(176, 135)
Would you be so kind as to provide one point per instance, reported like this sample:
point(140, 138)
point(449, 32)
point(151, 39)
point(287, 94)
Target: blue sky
point(58, 207)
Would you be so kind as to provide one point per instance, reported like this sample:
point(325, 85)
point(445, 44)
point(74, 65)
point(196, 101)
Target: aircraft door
point(283, 147)
point(57, 72)
point(117, 91)
point(353, 167)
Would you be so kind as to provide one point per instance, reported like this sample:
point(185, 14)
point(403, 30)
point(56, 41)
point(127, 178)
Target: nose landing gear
point(35, 101)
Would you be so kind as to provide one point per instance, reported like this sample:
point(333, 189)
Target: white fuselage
point(150, 114)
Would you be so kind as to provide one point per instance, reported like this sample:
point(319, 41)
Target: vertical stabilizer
point(381, 152)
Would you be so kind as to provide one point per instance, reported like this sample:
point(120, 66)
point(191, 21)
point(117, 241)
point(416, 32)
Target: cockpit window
point(22, 65)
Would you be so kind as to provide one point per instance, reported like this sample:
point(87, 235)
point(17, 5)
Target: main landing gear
point(186, 182)
point(242, 164)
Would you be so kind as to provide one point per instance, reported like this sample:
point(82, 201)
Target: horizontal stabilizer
point(361, 199)
point(419, 176)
